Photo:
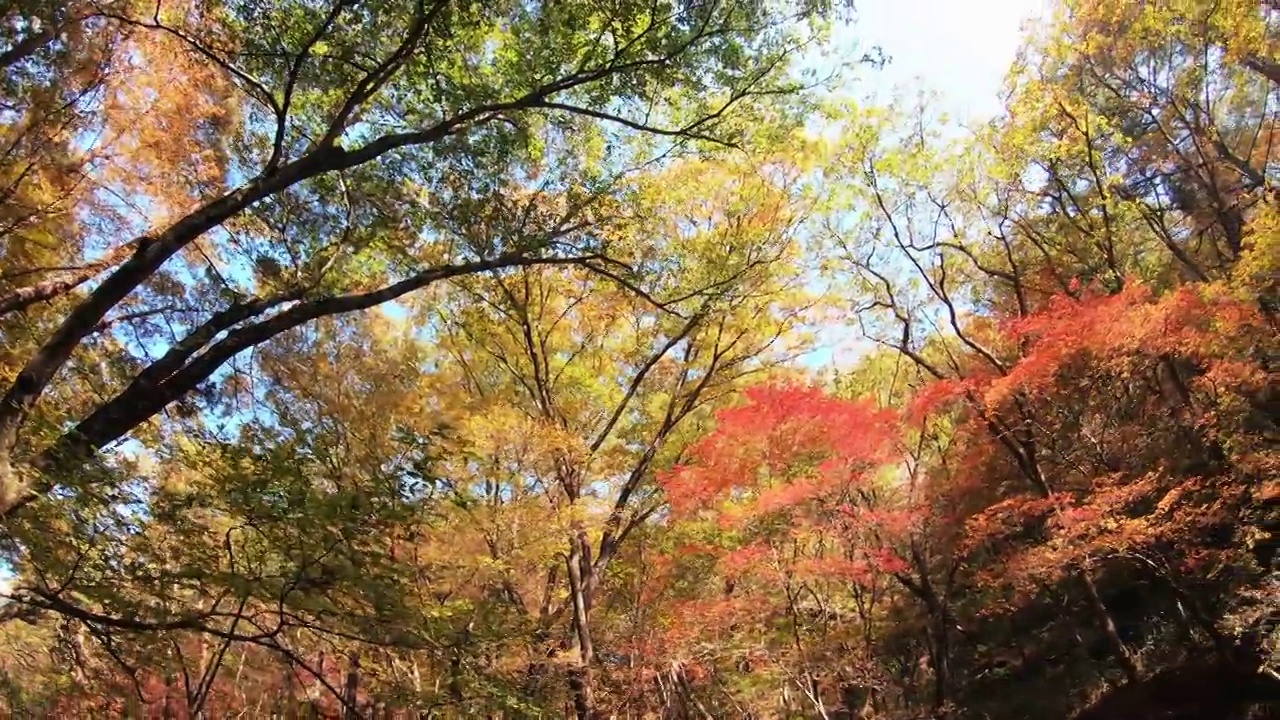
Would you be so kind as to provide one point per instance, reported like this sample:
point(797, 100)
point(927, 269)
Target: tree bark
point(70, 279)
point(580, 676)
point(1102, 615)
point(1264, 67)
point(352, 687)
point(941, 620)
point(940, 649)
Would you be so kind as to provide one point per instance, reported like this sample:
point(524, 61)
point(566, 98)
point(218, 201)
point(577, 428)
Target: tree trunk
point(351, 688)
point(580, 688)
point(939, 631)
point(580, 676)
point(940, 650)
point(1103, 616)
point(1264, 67)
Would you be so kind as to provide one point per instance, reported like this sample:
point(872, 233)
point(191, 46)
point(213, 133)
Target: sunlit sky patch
point(956, 51)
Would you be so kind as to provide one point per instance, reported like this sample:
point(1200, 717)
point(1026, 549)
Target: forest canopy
point(437, 358)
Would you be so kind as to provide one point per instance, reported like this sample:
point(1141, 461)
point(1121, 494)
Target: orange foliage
point(786, 445)
point(781, 482)
point(1102, 385)
point(167, 121)
point(1198, 323)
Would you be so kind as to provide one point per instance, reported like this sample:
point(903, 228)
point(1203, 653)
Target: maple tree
point(779, 490)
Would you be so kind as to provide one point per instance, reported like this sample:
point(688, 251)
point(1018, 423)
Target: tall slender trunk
point(1102, 615)
point(1025, 453)
point(580, 676)
point(940, 640)
point(938, 631)
point(580, 687)
point(352, 687)
point(940, 649)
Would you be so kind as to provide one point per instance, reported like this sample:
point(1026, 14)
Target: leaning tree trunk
point(1132, 671)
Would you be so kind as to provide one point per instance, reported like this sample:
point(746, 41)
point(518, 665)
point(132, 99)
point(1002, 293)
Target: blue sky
point(959, 49)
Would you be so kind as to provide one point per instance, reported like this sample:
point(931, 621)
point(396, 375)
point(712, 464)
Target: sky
point(959, 49)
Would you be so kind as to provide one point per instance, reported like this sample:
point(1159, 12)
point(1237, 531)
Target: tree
point(318, 203)
point(306, 538)
point(185, 190)
point(594, 386)
point(786, 481)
